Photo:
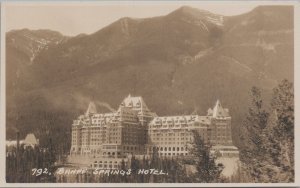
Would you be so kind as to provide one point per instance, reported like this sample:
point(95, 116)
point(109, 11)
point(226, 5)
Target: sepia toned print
point(184, 94)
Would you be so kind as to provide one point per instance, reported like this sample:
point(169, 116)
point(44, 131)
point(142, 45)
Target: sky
point(75, 18)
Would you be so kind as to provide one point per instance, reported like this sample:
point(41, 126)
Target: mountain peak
point(197, 15)
point(186, 8)
point(192, 11)
point(35, 32)
point(273, 11)
point(32, 42)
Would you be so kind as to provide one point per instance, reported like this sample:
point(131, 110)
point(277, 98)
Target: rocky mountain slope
point(22, 47)
point(180, 63)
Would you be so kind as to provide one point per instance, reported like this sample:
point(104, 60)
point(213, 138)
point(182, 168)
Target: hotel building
point(134, 130)
point(171, 135)
point(113, 134)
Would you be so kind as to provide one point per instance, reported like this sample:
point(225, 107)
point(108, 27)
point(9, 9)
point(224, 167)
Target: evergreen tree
point(253, 151)
point(207, 171)
point(135, 165)
point(268, 151)
point(280, 131)
point(256, 121)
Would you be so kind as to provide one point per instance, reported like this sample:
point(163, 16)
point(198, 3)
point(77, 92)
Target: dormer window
point(130, 104)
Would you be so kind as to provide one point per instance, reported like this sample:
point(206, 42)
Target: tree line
point(21, 162)
point(267, 135)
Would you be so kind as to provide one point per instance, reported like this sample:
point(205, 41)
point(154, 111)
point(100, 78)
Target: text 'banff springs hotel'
point(134, 130)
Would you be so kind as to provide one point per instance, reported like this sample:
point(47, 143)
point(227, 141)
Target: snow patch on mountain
point(196, 22)
point(203, 53)
point(216, 19)
point(36, 45)
point(185, 60)
point(235, 61)
point(203, 18)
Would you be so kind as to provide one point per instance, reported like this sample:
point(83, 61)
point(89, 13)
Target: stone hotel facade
point(134, 130)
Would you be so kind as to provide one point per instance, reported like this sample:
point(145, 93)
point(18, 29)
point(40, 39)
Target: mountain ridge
point(173, 61)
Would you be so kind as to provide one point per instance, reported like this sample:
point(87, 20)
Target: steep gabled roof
point(136, 103)
point(91, 109)
point(219, 111)
point(30, 140)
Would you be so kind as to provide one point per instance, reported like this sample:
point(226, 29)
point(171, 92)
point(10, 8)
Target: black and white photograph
point(192, 92)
